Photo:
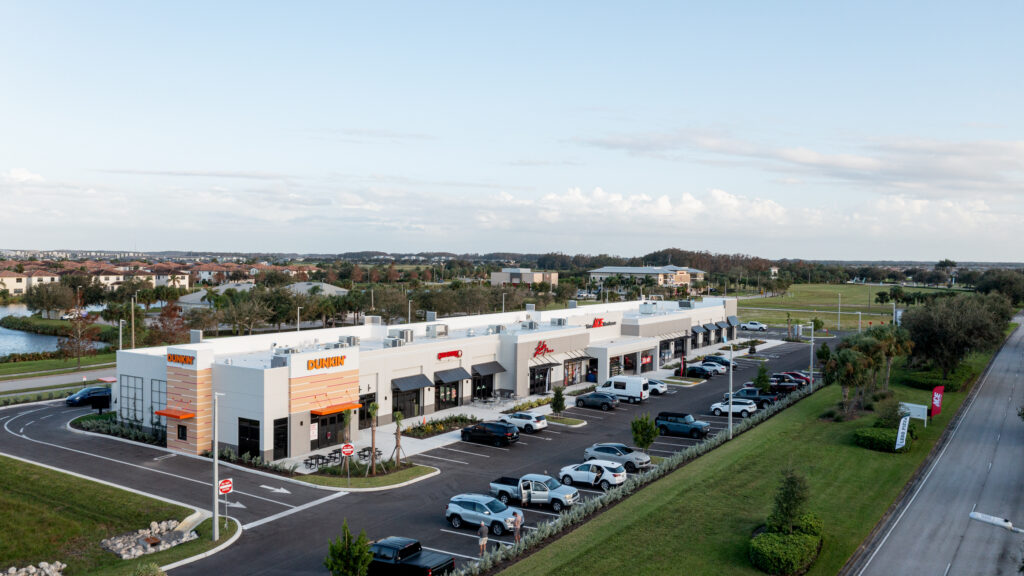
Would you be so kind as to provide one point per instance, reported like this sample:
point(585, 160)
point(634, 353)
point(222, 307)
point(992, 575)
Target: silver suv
point(471, 509)
point(615, 452)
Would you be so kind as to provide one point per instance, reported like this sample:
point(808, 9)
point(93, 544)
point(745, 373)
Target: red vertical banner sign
point(937, 400)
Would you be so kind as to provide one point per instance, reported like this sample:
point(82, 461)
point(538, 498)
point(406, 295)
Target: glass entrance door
point(249, 437)
point(446, 395)
point(408, 403)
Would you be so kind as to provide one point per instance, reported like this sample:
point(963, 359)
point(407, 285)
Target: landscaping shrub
point(809, 524)
point(590, 388)
point(880, 439)
point(435, 427)
point(148, 569)
point(528, 405)
point(828, 414)
point(962, 376)
point(783, 553)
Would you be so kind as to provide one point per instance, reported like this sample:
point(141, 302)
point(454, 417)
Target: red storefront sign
point(598, 322)
point(542, 348)
point(449, 354)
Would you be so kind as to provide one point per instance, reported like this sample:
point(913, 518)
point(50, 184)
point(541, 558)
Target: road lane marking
point(164, 457)
point(464, 452)
point(494, 447)
point(439, 458)
point(295, 509)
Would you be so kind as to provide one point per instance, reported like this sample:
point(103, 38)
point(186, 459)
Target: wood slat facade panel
point(321, 390)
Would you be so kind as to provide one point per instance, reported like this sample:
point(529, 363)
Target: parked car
point(657, 387)
point(681, 424)
point(396, 556)
point(784, 387)
point(471, 509)
point(526, 421)
point(699, 372)
point(721, 361)
point(496, 433)
point(742, 407)
point(763, 400)
point(786, 377)
point(631, 459)
point(715, 367)
point(72, 315)
point(597, 400)
point(600, 473)
point(799, 376)
point(83, 396)
point(632, 389)
point(753, 325)
point(537, 488)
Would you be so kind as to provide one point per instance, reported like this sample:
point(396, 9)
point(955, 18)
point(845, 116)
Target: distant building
point(13, 282)
point(671, 276)
point(522, 276)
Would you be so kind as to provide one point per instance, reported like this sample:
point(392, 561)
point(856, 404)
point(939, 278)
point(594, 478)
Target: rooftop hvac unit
point(348, 340)
point(648, 308)
point(403, 333)
point(496, 329)
point(437, 330)
point(278, 361)
point(531, 307)
point(431, 316)
point(371, 320)
point(284, 351)
point(470, 332)
point(393, 342)
point(686, 303)
point(530, 325)
point(559, 322)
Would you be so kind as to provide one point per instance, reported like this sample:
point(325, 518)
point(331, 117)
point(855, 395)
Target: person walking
point(517, 524)
point(482, 532)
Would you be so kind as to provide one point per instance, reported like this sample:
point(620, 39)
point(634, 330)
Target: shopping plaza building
point(285, 394)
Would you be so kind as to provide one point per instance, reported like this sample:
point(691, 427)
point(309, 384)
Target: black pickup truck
point(395, 555)
point(760, 398)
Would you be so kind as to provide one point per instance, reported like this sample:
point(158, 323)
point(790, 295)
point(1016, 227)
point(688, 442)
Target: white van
point(630, 389)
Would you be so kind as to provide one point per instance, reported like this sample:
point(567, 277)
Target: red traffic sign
point(225, 486)
point(348, 450)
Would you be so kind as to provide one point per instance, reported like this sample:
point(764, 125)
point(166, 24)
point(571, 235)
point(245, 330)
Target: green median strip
point(565, 421)
point(359, 481)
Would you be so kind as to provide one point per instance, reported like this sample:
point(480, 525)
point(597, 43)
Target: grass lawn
point(358, 481)
point(48, 516)
point(57, 365)
point(701, 516)
point(826, 297)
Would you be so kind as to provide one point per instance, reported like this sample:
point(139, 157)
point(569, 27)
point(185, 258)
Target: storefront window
point(539, 380)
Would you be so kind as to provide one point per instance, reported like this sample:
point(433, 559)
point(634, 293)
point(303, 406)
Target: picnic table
point(364, 454)
point(316, 461)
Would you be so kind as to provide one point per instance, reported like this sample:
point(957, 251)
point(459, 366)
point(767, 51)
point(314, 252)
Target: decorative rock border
point(44, 569)
point(157, 538)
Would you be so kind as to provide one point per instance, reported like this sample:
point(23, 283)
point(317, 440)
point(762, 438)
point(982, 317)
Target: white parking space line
point(662, 451)
point(541, 512)
point(449, 553)
point(473, 535)
point(540, 438)
point(547, 431)
point(464, 452)
point(295, 509)
point(588, 490)
point(492, 447)
point(521, 443)
point(672, 444)
point(439, 458)
point(586, 414)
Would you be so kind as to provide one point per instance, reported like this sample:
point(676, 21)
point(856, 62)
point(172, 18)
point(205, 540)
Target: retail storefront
point(483, 379)
point(407, 395)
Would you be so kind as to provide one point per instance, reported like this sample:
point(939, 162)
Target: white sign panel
point(918, 411)
point(314, 429)
point(901, 436)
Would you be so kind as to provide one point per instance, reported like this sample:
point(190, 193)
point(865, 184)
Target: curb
point(436, 472)
point(208, 553)
point(581, 425)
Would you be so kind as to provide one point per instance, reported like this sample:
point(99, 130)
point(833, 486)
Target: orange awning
point(107, 380)
point(177, 414)
point(335, 409)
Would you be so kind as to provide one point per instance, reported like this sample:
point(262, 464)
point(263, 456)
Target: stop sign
point(348, 450)
point(225, 486)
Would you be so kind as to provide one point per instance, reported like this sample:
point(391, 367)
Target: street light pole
point(120, 337)
point(409, 318)
point(298, 319)
point(216, 480)
point(133, 322)
point(730, 391)
point(502, 302)
point(811, 363)
point(839, 312)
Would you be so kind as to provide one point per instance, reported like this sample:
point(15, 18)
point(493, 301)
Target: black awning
point(544, 366)
point(733, 321)
point(410, 383)
point(710, 327)
point(488, 369)
point(722, 324)
point(698, 329)
point(452, 376)
point(578, 357)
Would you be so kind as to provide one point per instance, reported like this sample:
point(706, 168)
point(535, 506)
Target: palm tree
point(397, 417)
point(847, 368)
point(372, 411)
point(894, 341)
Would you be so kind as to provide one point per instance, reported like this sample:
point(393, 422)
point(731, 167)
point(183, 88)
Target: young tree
point(79, 340)
point(46, 298)
point(558, 400)
point(170, 327)
point(349, 555)
point(372, 411)
point(644, 431)
point(790, 501)
point(762, 381)
point(398, 417)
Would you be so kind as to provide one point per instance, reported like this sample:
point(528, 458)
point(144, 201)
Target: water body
point(16, 341)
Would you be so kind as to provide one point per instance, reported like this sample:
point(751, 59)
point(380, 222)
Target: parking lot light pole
point(216, 480)
point(839, 312)
point(996, 521)
point(298, 319)
point(730, 390)
point(811, 363)
point(120, 335)
point(502, 302)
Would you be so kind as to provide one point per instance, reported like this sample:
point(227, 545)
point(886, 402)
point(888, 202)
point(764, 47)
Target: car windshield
point(552, 484)
point(688, 418)
point(496, 506)
point(617, 470)
point(624, 449)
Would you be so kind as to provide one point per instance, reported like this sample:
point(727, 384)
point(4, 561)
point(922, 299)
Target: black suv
point(496, 433)
point(699, 372)
point(85, 395)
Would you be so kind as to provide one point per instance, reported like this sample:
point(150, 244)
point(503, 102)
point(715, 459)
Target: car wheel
point(744, 414)
point(455, 521)
point(497, 529)
point(503, 497)
point(589, 458)
point(556, 506)
point(529, 429)
point(465, 437)
point(605, 407)
point(567, 480)
point(718, 411)
point(497, 443)
point(605, 485)
point(763, 329)
point(579, 403)
point(630, 467)
point(695, 434)
point(663, 430)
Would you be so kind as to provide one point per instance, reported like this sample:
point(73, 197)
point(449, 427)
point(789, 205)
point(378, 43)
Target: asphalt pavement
point(56, 379)
point(979, 469)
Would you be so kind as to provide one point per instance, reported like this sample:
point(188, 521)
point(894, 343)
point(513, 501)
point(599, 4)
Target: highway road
point(980, 468)
point(56, 379)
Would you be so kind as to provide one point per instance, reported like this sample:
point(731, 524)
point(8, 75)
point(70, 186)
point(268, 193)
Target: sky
point(817, 130)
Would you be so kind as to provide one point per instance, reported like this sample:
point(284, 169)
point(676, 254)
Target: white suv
point(740, 406)
point(526, 421)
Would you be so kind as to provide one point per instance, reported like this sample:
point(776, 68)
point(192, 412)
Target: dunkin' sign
point(325, 363)
point(183, 359)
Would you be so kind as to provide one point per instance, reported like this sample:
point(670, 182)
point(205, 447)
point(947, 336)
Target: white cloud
point(21, 175)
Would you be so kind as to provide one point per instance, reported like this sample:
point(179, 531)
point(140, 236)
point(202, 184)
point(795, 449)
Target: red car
point(799, 377)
